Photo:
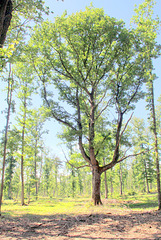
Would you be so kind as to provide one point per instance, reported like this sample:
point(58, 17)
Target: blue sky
point(120, 9)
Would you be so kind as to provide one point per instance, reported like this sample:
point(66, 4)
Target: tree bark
point(96, 183)
point(6, 9)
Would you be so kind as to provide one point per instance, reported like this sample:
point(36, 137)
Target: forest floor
point(114, 220)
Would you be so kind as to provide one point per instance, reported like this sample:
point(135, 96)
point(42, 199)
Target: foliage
point(24, 14)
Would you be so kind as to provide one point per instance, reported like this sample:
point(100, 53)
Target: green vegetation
point(75, 206)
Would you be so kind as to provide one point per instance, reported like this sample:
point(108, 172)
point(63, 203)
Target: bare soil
point(111, 224)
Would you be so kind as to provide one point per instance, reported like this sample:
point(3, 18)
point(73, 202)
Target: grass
point(46, 207)
point(139, 201)
point(69, 206)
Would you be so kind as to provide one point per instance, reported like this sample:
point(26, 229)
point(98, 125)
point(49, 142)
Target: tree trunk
point(96, 183)
point(41, 163)
point(9, 190)
point(5, 19)
point(35, 170)
point(36, 182)
point(146, 177)
point(22, 155)
point(22, 181)
point(156, 144)
point(121, 182)
point(111, 187)
point(106, 186)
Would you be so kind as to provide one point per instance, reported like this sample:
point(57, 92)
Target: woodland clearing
point(78, 219)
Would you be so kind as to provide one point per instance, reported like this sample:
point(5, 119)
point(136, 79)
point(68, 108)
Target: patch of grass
point(46, 207)
point(140, 201)
point(68, 206)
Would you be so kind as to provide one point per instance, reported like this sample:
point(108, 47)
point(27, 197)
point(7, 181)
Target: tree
point(147, 28)
point(12, 148)
point(57, 164)
point(93, 62)
point(143, 164)
point(10, 87)
point(26, 88)
point(9, 175)
point(35, 129)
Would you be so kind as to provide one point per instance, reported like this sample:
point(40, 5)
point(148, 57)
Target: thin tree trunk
point(22, 172)
point(106, 186)
point(156, 145)
point(35, 172)
point(9, 190)
point(121, 183)
point(22, 154)
point(41, 163)
point(111, 186)
point(56, 183)
point(36, 183)
point(146, 177)
point(9, 102)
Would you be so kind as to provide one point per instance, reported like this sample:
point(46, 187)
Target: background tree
point(57, 165)
point(26, 88)
point(143, 165)
point(147, 29)
point(10, 87)
point(12, 148)
point(35, 133)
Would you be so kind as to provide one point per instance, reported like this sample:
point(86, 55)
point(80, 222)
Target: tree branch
point(101, 144)
point(134, 155)
point(103, 109)
point(67, 161)
point(116, 152)
point(48, 103)
point(85, 156)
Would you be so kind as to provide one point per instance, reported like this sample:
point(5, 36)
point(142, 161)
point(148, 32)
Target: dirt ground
point(114, 224)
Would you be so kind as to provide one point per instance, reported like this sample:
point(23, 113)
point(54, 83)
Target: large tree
point(93, 62)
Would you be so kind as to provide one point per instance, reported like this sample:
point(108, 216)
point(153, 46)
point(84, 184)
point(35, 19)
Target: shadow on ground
point(80, 226)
